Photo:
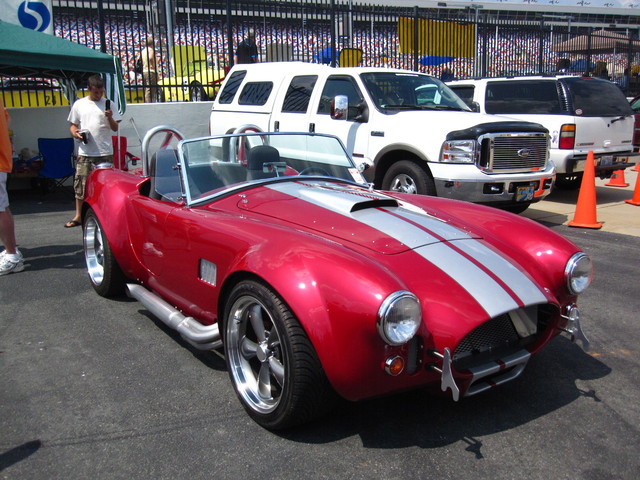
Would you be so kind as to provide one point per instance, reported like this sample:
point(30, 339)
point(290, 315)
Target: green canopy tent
point(27, 53)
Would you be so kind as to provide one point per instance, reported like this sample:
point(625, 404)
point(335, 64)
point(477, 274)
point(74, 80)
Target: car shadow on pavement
point(53, 257)
point(426, 420)
point(209, 358)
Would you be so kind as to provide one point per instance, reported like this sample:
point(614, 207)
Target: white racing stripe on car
point(438, 227)
point(518, 282)
point(521, 285)
point(482, 287)
point(341, 200)
point(409, 228)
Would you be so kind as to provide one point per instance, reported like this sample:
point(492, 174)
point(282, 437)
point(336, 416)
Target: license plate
point(524, 194)
point(606, 160)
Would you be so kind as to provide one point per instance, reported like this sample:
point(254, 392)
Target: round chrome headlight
point(399, 317)
point(578, 273)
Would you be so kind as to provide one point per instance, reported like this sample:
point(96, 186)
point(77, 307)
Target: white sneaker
point(4, 252)
point(9, 264)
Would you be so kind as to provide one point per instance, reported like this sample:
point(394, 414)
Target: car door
point(291, 110)
point(353, 132)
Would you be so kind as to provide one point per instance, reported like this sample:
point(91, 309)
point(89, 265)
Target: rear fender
point(109, 205)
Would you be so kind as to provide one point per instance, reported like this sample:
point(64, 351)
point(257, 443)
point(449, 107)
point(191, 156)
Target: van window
point(523, 96)
point(592, 97)
point(465, 92)
point(231, 87)
point(299, 94)
point(339, 85)
point(255, 93)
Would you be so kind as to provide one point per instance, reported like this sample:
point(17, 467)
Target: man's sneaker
point(8, 265)
point(4, 252)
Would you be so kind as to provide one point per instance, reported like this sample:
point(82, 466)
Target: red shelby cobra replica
point(272, 247)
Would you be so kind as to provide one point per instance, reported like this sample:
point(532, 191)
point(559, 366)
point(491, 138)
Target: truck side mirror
point(363, 113)
point(475, 106)
point(339, 107)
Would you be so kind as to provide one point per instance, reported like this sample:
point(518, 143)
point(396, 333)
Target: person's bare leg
point(7, 231)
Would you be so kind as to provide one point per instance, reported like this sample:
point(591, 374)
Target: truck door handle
point(276, 126)
point(312, 128)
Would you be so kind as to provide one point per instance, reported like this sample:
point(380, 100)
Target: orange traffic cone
point(636, 193)
point(585, 215)
point(636, 168)
point(617, 180)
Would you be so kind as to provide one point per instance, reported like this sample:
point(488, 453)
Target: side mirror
point(339, 107)
point(475, 106)
point(363, 113)
point(366, 164)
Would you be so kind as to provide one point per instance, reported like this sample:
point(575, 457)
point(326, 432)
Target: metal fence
point(195, 41)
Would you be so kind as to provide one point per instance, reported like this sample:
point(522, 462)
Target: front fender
point(335, 294)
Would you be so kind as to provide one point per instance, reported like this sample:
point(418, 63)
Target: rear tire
point(104, 272)
point(408, 177)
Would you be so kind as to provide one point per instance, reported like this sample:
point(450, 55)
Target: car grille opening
point(515, 152)
point(501, 336)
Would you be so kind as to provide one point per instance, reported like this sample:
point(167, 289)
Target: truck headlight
point(399, 317)
point(578, 273)
point(459, 151)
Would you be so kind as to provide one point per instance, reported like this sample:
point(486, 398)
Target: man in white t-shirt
point(92, 123)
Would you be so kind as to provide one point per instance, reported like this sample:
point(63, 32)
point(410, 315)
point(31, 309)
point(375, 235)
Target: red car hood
point(352, 214)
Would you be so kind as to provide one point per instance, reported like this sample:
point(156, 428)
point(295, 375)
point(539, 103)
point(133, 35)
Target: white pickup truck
point(416, 135)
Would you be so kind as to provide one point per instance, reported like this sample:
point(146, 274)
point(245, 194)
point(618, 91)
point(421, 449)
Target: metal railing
point(196, 41)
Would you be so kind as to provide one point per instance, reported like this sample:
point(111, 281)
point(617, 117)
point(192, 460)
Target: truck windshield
point(408, 91)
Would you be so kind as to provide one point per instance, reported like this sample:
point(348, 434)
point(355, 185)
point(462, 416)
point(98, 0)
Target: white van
point(580, 113)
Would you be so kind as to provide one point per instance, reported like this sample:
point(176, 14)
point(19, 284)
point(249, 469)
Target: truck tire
point(408, 177)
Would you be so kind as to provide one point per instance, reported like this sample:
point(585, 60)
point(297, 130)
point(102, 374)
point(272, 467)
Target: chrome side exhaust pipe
point(202, 337)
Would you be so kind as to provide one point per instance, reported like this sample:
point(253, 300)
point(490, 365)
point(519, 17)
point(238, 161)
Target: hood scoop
point(379, 203)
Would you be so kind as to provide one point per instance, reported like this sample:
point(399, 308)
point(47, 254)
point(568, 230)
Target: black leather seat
point(256, 159)
point(164, 176)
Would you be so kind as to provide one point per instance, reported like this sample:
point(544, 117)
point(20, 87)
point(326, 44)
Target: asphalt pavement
point(97, 388)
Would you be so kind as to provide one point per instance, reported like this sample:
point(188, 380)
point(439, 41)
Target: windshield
point(213, 165)
point(404, 90)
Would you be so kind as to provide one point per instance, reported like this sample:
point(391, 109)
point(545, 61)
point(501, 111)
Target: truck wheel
point(407, 177)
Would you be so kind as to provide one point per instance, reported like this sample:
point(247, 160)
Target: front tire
point(273, 366)
point(406, 176)
point(104, 272)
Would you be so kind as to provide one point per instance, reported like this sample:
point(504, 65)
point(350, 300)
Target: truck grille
point(514, 152)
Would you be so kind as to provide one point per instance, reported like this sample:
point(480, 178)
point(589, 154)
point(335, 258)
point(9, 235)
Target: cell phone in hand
point(108, 105)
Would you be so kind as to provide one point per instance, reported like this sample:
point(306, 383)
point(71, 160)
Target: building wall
point(191, 119)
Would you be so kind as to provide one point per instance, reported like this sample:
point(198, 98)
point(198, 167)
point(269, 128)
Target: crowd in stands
point(506, 51)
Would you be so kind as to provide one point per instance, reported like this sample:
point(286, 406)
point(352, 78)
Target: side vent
point(208, 272)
